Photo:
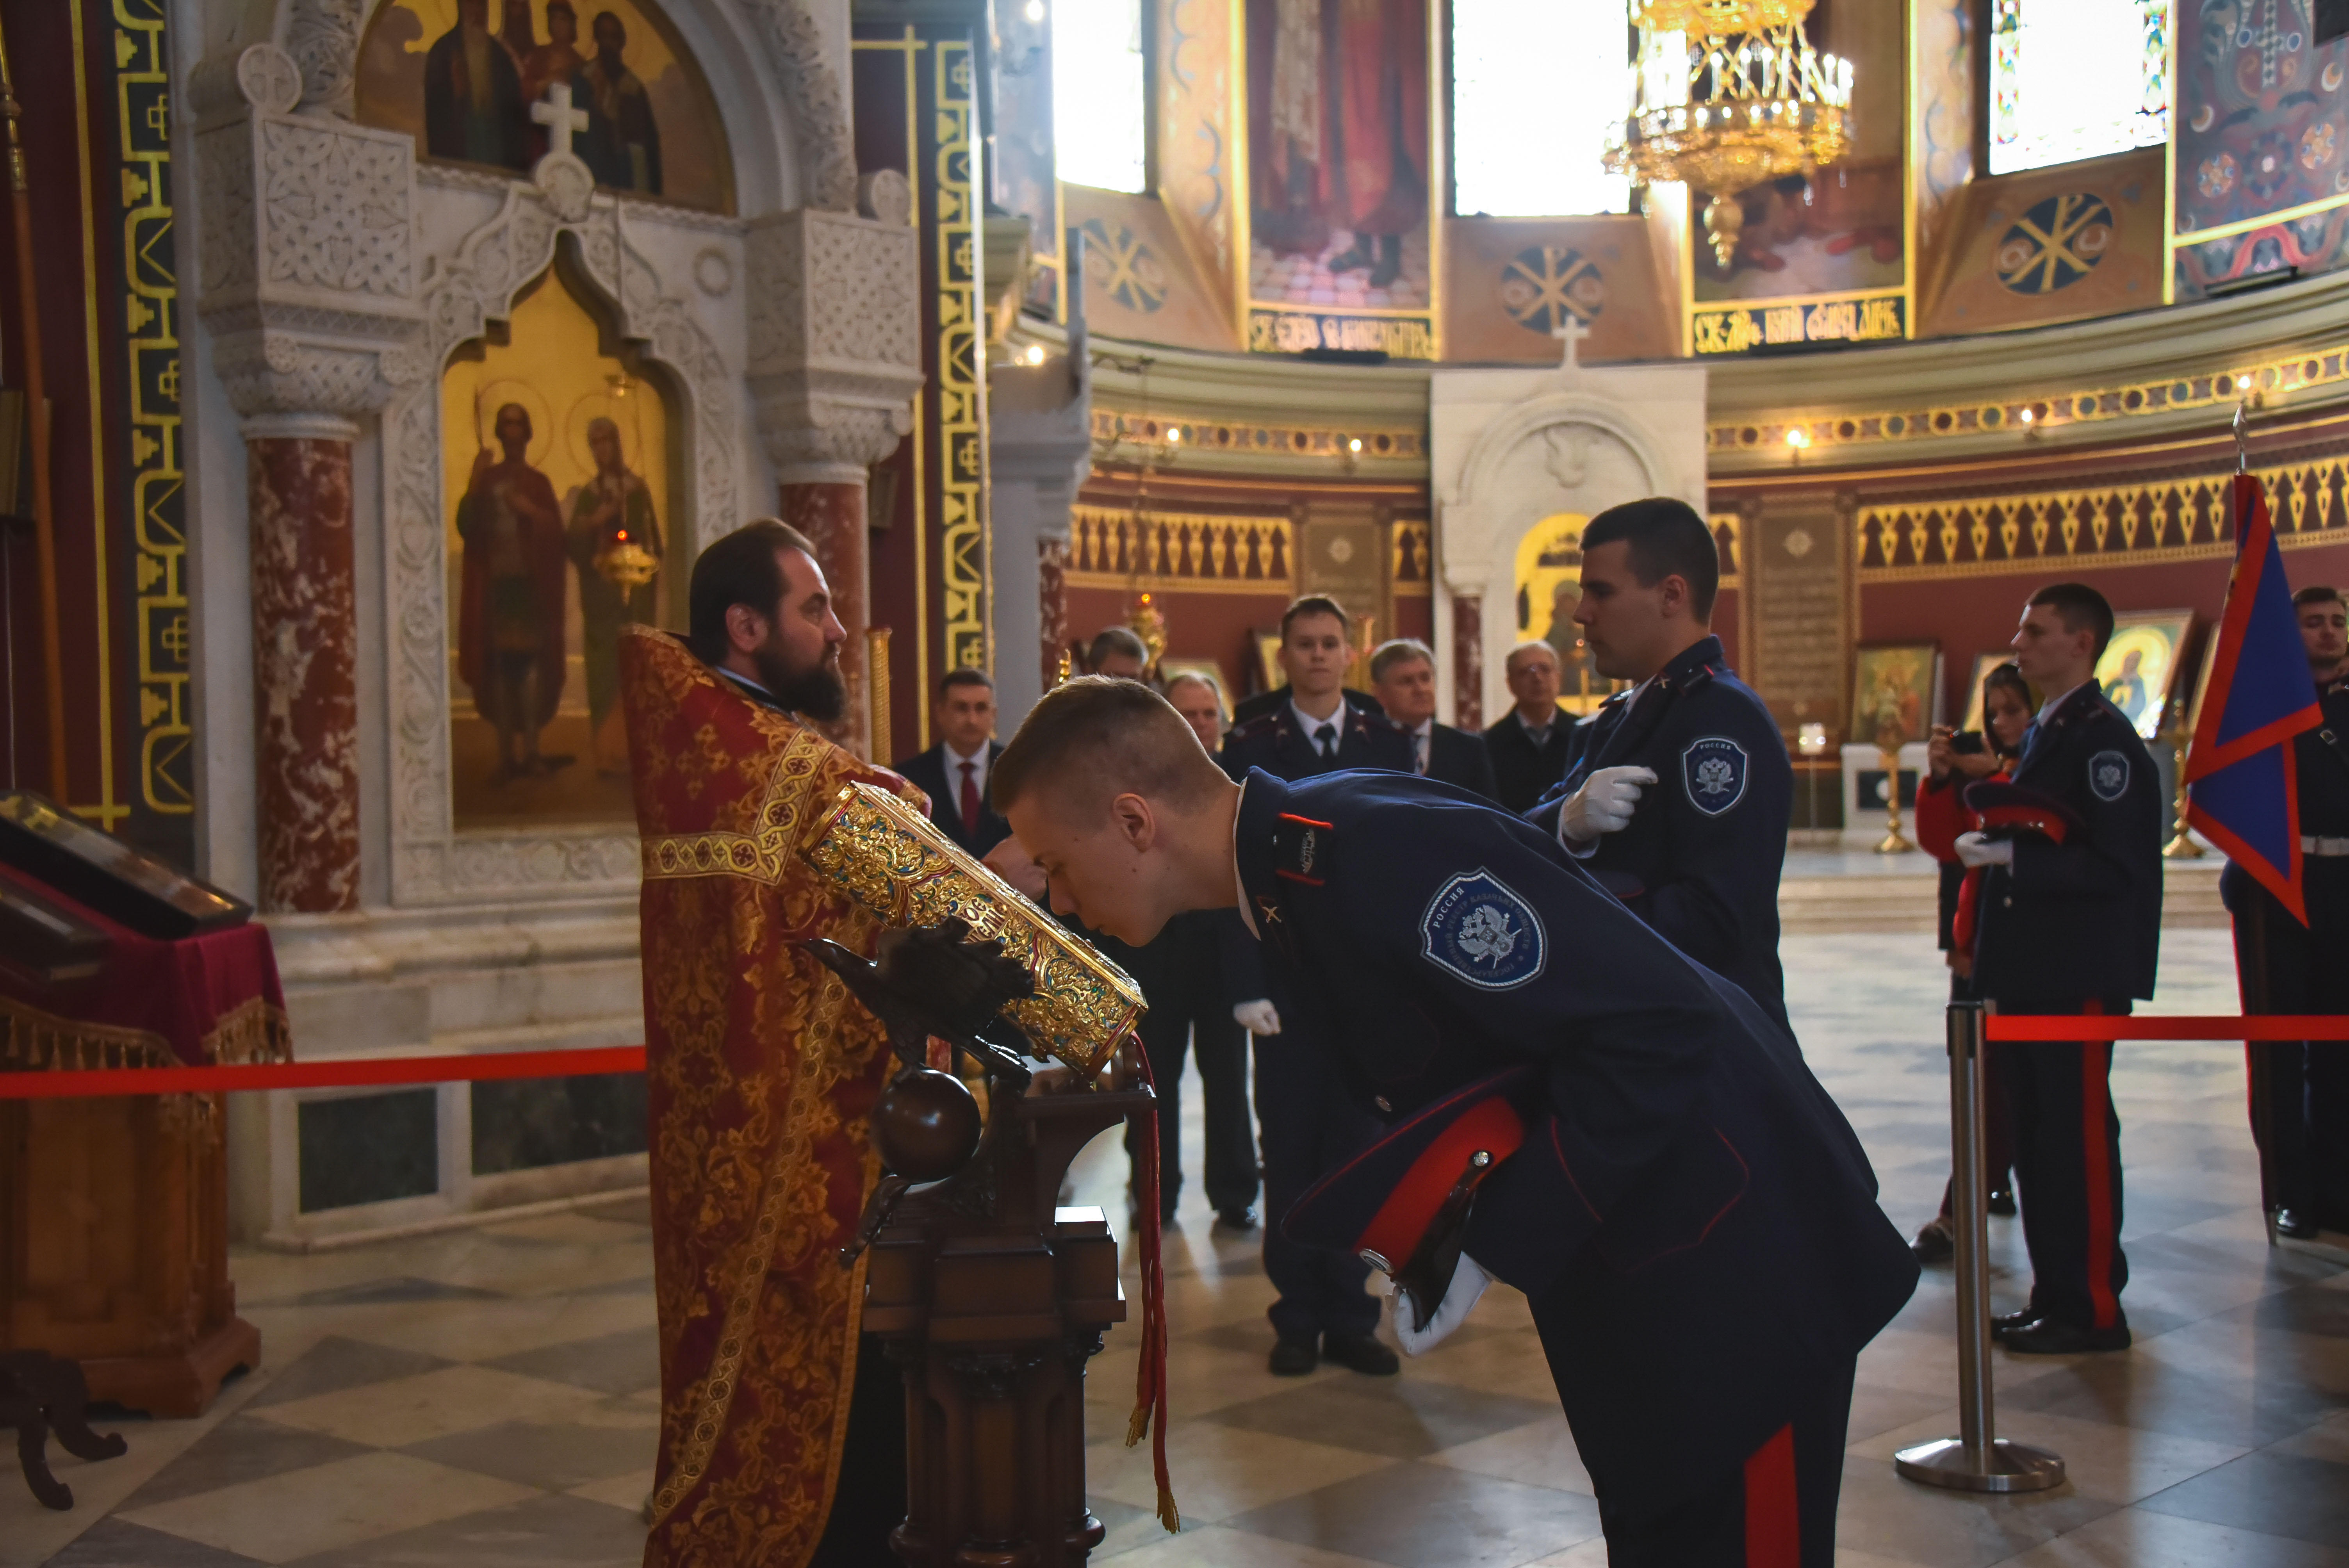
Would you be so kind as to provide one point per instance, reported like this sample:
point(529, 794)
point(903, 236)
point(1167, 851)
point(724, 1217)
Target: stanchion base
point(2008, 1467)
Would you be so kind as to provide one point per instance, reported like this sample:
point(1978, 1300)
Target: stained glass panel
point(1097, 94)
point(2076, 78)
point(1569, 57)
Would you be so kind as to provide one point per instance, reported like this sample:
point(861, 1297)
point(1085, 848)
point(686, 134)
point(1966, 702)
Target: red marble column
point(1468, 661)
point(305, 693)
point(831, 514)
point(1052, 604)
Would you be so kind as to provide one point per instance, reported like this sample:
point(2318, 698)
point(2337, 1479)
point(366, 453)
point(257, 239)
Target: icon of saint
point(621, 144)
point(510, 617)
point(473, 104)
point(614, 508)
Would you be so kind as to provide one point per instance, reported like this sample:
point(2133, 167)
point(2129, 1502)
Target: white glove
point(1604, 804)
point(1979, 850)
point(1467, 1287)
point(1257, 1017)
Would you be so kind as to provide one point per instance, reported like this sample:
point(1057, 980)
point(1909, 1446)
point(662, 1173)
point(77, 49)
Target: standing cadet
point(1402, 672)
point(1304, 1123)
point(1573, 1106)
point(2300, 1092)
point(1699, 858)
point(2070, 923)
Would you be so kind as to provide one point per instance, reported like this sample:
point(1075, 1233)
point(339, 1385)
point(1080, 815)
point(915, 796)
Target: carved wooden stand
point(991, 1300)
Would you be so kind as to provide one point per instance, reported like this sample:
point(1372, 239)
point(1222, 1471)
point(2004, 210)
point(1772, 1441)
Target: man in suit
point(953, 772)
point(1402, 674)
point(1529, 747)
point(1698, 855)
point(1306, 1124)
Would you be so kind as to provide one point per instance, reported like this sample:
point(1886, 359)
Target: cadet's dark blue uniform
point(1306, 1125)
point(1700, 862)
point(1691, 1215)
point(2300, 1092)
point(2075, 927)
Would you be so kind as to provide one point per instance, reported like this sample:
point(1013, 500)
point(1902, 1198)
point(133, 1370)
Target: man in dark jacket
point(2070, 923)
point(1402, 674)
point(953, 772)
point(1529, 746)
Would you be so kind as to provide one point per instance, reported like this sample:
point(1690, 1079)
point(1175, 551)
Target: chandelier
point(1728, 94)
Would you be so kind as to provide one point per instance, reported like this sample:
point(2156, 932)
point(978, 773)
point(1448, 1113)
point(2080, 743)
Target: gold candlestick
point(1892, 843)
point(2181, 845)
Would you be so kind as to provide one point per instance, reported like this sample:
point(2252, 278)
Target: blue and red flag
point(2243, 786)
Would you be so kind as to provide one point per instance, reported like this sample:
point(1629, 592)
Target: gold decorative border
point(1221, 438)
point(1180, 551)
point(2104, 525)
point(2258, 379)
point(761, 856)
point(962, 372)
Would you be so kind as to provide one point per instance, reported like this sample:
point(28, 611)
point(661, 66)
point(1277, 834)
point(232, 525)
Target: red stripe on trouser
point(1774, 1529)
point(2095, 1155)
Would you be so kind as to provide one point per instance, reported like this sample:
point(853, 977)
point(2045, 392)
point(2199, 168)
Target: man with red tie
point(953, 772)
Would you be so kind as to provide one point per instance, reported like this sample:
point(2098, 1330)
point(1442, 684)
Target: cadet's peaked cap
point(1383, 1200)
point(2022, 809)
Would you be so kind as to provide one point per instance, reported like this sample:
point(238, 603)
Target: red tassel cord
point(1149, 1375)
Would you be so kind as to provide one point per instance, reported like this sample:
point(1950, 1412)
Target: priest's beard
point(815, 690)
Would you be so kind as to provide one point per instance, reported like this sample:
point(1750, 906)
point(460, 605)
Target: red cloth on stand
point(209, 1000)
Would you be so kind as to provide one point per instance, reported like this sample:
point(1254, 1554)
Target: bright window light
point(1570, 57)
point(1097, 94)
point(2076, 78)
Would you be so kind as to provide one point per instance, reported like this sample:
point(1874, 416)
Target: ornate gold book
point(887, 857)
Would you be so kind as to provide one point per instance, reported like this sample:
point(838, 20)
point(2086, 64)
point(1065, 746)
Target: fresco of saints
point(473, 104)
point(622, 144)
point(510, 617)
point(557, 60)
point(614, 505)
point(1338, 119)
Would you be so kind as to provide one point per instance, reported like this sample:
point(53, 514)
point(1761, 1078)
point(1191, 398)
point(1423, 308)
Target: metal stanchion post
point(1977, 1460)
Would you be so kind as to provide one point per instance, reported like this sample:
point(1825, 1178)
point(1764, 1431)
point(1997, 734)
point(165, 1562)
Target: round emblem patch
point(1713, 770)
point(1483, 933)
point(2109, 775)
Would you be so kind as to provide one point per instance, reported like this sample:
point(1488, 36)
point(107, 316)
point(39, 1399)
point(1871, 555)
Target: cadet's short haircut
point(964, 675)
point(2315, 595)
point(739, 569)
point(1532, 646)
point(1113, 640)
point(2081, 609)
point(1397, 651)
point(1314, 604)
point(1667, 539)
point(1093, 739)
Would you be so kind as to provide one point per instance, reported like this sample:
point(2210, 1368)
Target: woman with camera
point(1954, 761)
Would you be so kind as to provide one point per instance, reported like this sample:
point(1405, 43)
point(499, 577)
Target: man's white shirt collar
point(977, 762)
point(1312, 726)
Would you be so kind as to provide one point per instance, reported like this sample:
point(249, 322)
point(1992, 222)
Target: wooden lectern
point(990, 1300)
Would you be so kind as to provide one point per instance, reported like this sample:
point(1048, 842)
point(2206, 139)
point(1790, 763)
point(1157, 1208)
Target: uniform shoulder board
point(1699, 678)
point(1301, 848)
point(1248, 730)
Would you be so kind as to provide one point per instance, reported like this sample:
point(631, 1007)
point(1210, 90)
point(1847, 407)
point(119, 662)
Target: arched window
point(2076, 78)
point(1537, 88)
point(1098, 93)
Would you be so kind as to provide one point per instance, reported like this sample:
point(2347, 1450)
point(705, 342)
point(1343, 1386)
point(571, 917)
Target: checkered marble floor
point(487, 1398)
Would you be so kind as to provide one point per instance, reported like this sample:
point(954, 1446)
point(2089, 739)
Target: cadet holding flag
point(1569, 1104)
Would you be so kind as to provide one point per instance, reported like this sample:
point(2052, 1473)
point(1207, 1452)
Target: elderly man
point(1529, 746)
point(782, 1437)
point(1402, 674)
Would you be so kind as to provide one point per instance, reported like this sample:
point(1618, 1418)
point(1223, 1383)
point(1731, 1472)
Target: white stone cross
point(1571, 333)
point(561, 121)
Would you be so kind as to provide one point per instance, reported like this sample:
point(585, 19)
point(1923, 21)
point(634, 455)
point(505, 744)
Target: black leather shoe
point(1360, 1353)
point(2049, 1338)
point(1294, 1358)
point(2007, 1323)
point(1933, 1243)
point(1241, 1219)
point(2002, 1203)
point(2297, 1223)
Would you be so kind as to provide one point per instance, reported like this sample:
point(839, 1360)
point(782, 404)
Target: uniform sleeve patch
point(2108, 774)
point(1478, 929)
point(1714, 770)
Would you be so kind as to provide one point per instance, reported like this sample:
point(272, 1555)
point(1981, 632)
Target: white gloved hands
point(1604, 804)
point(1981, 849)
point(1257, 1017)
point(1460, 1297)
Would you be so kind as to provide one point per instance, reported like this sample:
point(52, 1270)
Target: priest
point(783, 1430)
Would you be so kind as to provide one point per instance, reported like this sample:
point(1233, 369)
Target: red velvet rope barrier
point(2115, 1027)
point(365, 1072)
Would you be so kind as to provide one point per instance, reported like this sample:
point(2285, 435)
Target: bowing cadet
point(2069, 922)
point(1679, 795)
point(1305, 1125)
point(2300, 1092)
point(1570, 1104)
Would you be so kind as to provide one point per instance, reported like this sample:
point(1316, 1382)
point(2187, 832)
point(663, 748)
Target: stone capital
point(305, 243)
point(836, 352)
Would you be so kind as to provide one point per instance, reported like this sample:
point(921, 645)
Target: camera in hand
point(1967, 743)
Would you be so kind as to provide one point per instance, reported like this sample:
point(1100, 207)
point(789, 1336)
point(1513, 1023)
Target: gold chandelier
point(1730, 93)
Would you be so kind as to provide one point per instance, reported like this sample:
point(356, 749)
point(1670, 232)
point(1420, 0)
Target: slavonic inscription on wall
point(1798, 578)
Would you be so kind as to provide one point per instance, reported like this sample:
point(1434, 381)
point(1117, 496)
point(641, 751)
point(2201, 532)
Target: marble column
point(305, 693)
point(1051, 605)
point(1468, 661)
point(830, 510)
